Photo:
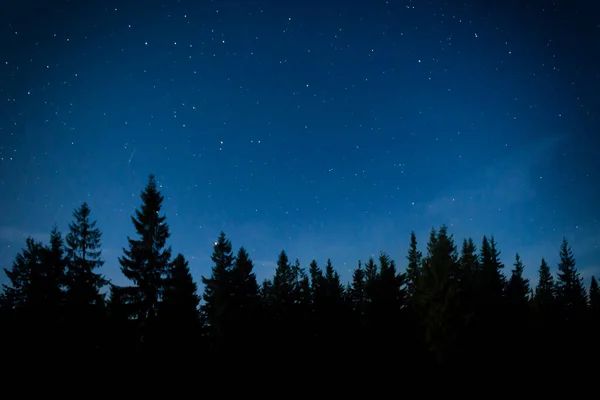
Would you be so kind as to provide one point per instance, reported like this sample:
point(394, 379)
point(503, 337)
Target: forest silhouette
point(450, 306)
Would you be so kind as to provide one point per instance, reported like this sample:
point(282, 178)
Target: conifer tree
point(468, 273)
point(316, 277)
point(245, 303)
point(218, 293)
point(570, 293)
point(146, 260)
point(492, 279)
point(244, 286)
point(413, 270)
point(517, 289)
point(84, 257)
point(371, 272)
point(357, 289)
point(468, 264)
point(283, 285)
point(54, 263)
point(545, 291)
point(439, 295)
point(334, 290)
point(21, 293)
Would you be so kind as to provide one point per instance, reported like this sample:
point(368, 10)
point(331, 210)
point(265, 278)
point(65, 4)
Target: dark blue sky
point(328, 129)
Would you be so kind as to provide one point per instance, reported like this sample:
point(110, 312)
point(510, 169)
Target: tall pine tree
point(439, 301)
point(517, 289)
point(544, 297)
point(570, 291)
point(147, 259)
point(413, 270)
point(23, 276)
point(84, 257)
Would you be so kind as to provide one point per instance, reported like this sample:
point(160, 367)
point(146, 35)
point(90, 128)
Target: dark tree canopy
point(444, 308)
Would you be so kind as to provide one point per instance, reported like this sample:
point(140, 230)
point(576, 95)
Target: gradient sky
point(328, 129)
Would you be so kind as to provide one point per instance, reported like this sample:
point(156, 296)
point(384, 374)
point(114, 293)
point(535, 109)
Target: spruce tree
point(283, 285)
point(21, 293)
point(316, 279)
point(147, 259)
point(570, 293)
point(545, 291)
point(492, 279)
point(218, 293)
point(517, 289)
point(84, 257)
point(54, 264)
point(244, 286)
point(245, 303)
point(357, 289)
point(439, 301)
point(413, 270)
point(334, 290)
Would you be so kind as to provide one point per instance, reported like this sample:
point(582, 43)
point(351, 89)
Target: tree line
point(450, 305)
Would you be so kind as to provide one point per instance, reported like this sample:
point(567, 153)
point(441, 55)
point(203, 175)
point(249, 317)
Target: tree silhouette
point(147, 259)
point(244, 307)
point(217, 293)
point(545, 292)
point(439, 295)
point(178, 310)
point(24, 276)
point(517, 289)
point(84, 298)
point(84, 256)
point(570, 292)
point(413, 270)
point(446, 311)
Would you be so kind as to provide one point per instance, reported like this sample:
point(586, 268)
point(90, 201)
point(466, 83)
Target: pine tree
point(439, 295)
point(55, 264)
point(438, 299)
point(468, 273)
point(413, 271)
point(545, 291)
point(570, 294)
point(20, 294)
point(371, 272)
point(244, 285)
point(283, 285)
point(217, 292)
point(517, 289)
point(492, 279)
point(357, 289)
point(84, 256)
point(317, 283)
point(146, 261)
point(334, 290)
point(245, 303)
point(468, 265)
point(544, 317)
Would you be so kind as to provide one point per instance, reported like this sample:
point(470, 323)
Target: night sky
point(328, 129)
